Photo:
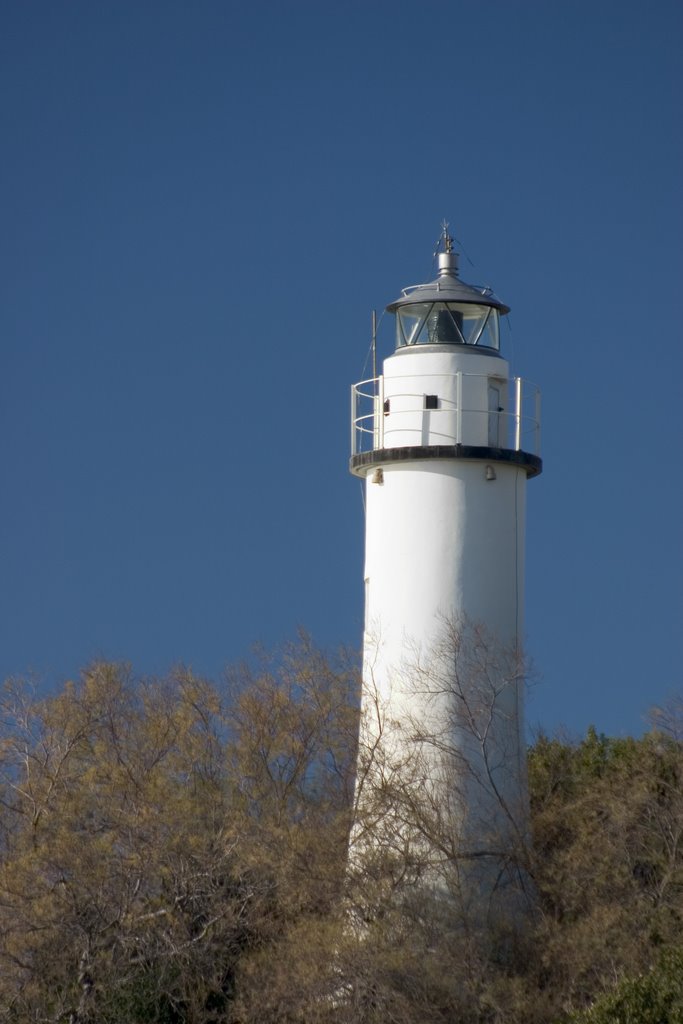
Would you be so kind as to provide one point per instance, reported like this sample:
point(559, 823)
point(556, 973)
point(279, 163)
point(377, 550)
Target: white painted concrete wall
point(410, 374)
point(445, 548)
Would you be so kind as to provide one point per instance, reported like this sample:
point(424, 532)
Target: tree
point(442, 776)
point(652, 998)
point(173, 851)
point(153, 836)
point(607, 820)
point(117, 851)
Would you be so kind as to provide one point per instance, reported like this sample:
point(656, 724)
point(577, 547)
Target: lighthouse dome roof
point(448, 288)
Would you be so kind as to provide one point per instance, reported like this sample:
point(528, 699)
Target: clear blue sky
point(201, 205)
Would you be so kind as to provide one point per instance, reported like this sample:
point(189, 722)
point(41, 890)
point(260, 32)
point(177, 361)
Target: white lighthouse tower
point(445, 440)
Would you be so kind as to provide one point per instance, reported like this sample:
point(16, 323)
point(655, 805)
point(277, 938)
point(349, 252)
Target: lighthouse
point(445, 440)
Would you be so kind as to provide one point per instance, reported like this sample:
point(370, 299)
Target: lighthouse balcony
point(452, 416)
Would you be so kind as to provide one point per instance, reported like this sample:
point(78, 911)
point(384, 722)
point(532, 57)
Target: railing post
point(518, 414)
point(380, 411)
point(458, 411)
point(353, 419)
point(537, 437)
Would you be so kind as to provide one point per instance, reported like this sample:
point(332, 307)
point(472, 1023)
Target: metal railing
point(516, 424)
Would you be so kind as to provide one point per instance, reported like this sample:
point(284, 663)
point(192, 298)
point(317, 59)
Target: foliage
point(653, 998)
point(175, 852)
point(608, 826)
point(153, 832)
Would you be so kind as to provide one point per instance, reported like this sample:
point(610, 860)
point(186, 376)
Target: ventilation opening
point(387, 406)
point(431, 401)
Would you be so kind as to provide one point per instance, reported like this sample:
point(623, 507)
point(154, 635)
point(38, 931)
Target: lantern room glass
point(447, 323)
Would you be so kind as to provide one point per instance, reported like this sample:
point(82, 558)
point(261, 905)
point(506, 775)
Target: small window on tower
point(431, 401)
point(387, 406)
